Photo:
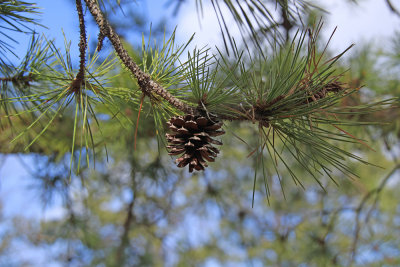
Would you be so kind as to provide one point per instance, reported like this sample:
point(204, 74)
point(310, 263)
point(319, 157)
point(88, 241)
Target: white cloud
point(206, 27)
point(370, 20)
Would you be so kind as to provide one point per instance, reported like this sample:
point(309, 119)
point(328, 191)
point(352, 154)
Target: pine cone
point(191, 138)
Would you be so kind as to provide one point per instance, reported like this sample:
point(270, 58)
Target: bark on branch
point(76, 84)
point(147, 85)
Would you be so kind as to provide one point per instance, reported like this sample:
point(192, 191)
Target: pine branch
point(286, 23)
point(147, 85)
point(392, 8)
point(15, 17)
point(84, 87)
point(100, 40)
point(82, 47)
point(18, 79)
point(261, 111)
point(76, 83)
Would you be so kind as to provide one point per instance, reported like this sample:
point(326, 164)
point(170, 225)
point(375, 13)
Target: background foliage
point(124, 206)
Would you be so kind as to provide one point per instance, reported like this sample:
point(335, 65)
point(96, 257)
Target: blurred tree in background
point(300, 194)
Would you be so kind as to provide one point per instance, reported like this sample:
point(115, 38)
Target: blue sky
point(371, 21)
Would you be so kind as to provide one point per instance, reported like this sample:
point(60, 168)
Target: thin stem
point(80, 76)
point(130, 218)
point(100, 39)
point(147, 85)
point(261, 112)
point(286, 23)
point(25, 79)
point(392, 8)
point(82, 42)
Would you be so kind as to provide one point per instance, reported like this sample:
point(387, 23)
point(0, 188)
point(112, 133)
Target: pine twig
point(100, 40)
point(80, 76)
point(82, 41)
point(130, 218)
point(147, 85)
point(392, 8)
point(18, 79)
point(261, 111)
point(286, 23)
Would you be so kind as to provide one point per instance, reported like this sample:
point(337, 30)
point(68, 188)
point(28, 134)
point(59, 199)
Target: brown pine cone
point(191, 138)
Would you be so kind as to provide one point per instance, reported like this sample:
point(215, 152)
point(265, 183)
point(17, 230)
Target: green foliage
point(23, 80)
point(160, 61)
point(16, 16)
point(208, 86)
point(54, 88)
point(291, 92)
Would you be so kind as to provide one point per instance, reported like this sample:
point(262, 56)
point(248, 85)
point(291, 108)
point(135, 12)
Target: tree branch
point(124, 237)
point(261, 111)
point(130, 218)
point(82, 41)
point(392, 8)
point(80, 76)
point(147, 85)
point(286, 23)
point(100, 39)
point(18, 79)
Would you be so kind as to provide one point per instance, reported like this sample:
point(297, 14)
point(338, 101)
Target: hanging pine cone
point(191, 138)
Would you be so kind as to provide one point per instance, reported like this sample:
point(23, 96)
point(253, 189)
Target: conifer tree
point(275, 90)
point(289, 90)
